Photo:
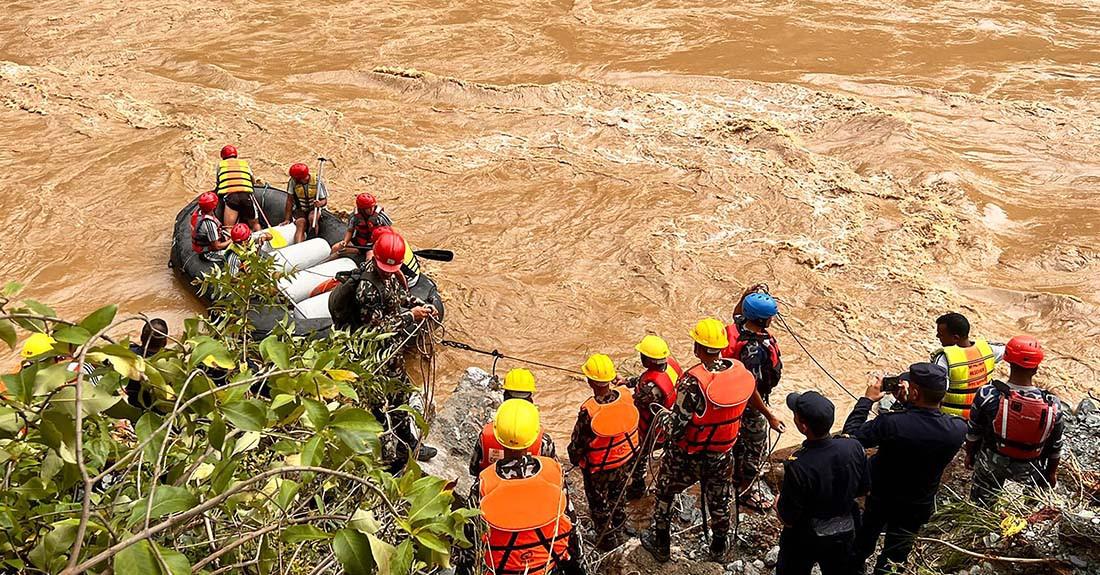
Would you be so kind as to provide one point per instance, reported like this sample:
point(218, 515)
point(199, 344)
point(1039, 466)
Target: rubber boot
point(719, 547)
point(659, 544)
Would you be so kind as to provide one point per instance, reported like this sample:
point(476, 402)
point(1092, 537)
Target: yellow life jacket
point(968, 368)
point(234, 176)
point(411, 266)
point(304, 194)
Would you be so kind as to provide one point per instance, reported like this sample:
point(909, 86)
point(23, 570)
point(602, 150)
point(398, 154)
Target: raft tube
point(309, 312)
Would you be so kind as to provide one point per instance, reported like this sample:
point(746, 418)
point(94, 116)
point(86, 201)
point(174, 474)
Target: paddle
point(317, 210)
point(435, 255)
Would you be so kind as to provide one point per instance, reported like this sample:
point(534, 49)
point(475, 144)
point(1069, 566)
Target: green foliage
point(261, 453)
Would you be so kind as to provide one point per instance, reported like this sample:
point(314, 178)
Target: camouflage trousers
point(752, 442)
point(991, 470)
point(680, 470)
point(606, 505)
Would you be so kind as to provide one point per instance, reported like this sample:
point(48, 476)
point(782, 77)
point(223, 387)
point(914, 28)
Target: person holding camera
point(1016, 428)
point(915, 445)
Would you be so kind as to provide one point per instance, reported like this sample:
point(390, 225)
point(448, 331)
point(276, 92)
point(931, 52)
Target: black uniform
point(914, 445)
point(818, 505)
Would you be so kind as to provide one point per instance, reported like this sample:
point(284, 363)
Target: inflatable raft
point(307, 300)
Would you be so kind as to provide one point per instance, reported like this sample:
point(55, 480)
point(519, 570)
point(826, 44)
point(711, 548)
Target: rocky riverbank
point(1063, 528)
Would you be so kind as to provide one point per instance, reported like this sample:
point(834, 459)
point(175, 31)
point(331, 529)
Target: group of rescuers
point(712, 422)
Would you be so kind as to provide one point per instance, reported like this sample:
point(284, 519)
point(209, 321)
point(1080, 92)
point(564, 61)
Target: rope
point(797, 340)
point(496, 354)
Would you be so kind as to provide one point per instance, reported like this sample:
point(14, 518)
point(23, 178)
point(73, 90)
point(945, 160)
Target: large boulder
point(457, 426)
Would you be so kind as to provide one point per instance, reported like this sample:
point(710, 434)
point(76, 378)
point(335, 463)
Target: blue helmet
point(759, 306)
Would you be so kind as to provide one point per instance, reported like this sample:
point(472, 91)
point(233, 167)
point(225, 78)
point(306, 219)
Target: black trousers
point(900, 521)
point(800, 549)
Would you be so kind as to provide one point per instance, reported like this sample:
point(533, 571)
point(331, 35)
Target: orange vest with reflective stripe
point(616, 427)
point(234, 176)
point(727, 393)
point(968, 368)
point(528, 529)
point(492, 451)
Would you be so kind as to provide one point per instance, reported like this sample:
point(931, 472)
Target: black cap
point(814, 409)
point(927, 375)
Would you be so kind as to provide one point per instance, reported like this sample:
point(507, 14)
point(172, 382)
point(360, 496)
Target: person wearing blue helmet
point(752, 344)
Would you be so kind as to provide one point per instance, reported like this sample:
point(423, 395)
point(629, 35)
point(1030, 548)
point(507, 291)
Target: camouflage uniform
point(516, 468)
point(752, 440)
point(646, 394)
point(601, 488)
point(680, 470)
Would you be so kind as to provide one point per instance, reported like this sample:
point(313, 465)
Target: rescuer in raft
point(1015, 429)
point(519, 384)
point(654, 389)
point(304, 200)
point(969, 363)
point(242, 237)
point(234, 186)
point(208, 239)
point(359, 238)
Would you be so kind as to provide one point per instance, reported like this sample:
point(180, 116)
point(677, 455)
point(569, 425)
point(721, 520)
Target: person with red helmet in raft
point(234, 186)
point(208, 238)
point(245, 241)
point(305, 196)
point(359, 238)
point(1015, 428)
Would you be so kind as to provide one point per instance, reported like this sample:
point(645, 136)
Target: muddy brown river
point(601, 169)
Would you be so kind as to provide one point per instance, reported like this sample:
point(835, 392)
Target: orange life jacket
point(492, 451)
point(616, 427)
point(727, 393)
point(528, 529)
point(666, 382)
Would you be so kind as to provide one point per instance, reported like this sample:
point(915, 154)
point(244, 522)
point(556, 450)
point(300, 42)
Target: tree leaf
point(433, 542)
point(363, 520)
point(128, 365)
point(39, 308)
point(75, 335)
point(275, 351)
point(145, 427)
point(313, 454)
point(216, 432)
point(401, 562)
point(341, 374)
point(318, 413)
point(49, 379)
point(245, 414)
point(288, 490)
point(299, 533)
point(7, 332)
point(55, 545)
point(356, 419)
point(93, 400)
point(353, 549)
point(99, 319)
point(167, 499)
point(11, 288)
point(139, 559)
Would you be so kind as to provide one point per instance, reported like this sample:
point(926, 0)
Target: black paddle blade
point(437, 255)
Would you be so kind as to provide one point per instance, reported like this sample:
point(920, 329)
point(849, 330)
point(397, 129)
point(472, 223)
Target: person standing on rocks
point(519, 385)
point(969, 363)
point(756, 348)
point(656, 386)
point(524, 500)
point(604, 444)
point(1015, 429)
point(702, 431)
point(821, 481)
point(915, 445)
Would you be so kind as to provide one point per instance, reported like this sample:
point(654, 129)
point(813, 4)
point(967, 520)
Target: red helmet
point(389, 252)
point(240, 233)
point(299, 171)
point(380, 231)
point(208, 201)
point(1024, 351)
point(229, 152)
point(365, 202)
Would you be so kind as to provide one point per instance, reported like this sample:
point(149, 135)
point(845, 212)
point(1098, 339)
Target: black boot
point(426, 453)
point(719, 546)
point(658, 542)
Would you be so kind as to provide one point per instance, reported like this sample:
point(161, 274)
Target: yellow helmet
point(37, 344)
point(710, 333)
point(653, 347)
point(516, 425)
point(599, 368)
point(519, 380)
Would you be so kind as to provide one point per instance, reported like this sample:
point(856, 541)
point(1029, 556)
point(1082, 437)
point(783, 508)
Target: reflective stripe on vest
point(616, 427)
point(303, 194)
point(968, 368)
point(666, 382)
point(528, 529)
point(1023, 424)
point(492, 451)
point(727, 393)
point(200, 245)
point(234, 176)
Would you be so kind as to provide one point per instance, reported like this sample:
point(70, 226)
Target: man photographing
point(914, 445)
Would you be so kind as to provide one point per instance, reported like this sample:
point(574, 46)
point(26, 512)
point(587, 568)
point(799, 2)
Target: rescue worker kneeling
point(519, 384)
point(604, 444)
point(524, 502)
point(710, 400)
point(1015, 429)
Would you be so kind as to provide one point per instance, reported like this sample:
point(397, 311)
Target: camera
point(891, 383)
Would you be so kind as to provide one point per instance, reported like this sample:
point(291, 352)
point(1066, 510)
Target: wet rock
point(736, 567)
point(758, 564)
point(1078, 562)
point(456, 426)
point(1086, 407)
point(772, 557)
